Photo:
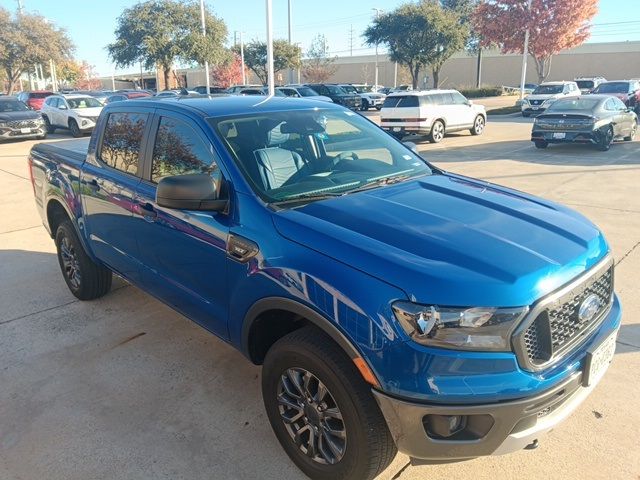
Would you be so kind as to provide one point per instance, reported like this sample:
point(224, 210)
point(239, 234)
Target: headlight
point(548, 101)
point(524, 100)
point(476, 328)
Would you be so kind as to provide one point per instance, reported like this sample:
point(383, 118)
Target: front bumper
point(533, 110)
point(9, 133)
point(406, 129)
point(573, 136)
point(86, 124)
point(491, 429)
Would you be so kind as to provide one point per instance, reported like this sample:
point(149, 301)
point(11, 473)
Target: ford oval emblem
point(589, 308)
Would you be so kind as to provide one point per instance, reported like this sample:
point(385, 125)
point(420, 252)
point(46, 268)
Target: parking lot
point(125, 388)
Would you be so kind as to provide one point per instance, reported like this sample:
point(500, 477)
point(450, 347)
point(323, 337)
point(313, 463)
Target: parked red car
point(118, 97)
point(626, 90)
point(34, 99)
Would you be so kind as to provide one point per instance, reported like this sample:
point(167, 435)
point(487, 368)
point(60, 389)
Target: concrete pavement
point(125, 388)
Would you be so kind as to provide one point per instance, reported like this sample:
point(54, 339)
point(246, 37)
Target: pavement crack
point(15, 174)
point(4, 322)
point(627, 254)
point(127, 340)
point(401, 471)
point(20, 229)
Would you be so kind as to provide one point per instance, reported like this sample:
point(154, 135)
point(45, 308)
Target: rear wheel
point(541, 144)
point(365, 105)
point(75, 130)
point(47, 123)
point(525, 115)
point(606, 138)
point(322, 411)
point(437, 132)
point(85, 278)
point(478, 125)
point(632, 133)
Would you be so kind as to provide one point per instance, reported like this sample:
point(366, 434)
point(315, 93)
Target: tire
point(50, 128)
point(365, 105)
point(42, 137)
point(86, 279)
point(308, 353)
point(75, 129)
point(541, 144)
point(525, 115)
point(632, 135)
point(478, 125)
point(437, 132)
point(379, 107)
point(606, 139)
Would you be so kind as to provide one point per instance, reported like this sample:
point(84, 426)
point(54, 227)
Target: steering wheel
point(346, 155)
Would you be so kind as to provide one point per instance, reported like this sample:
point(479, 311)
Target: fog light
point(444, 426)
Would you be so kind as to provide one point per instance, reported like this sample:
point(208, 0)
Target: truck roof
point(220, 106)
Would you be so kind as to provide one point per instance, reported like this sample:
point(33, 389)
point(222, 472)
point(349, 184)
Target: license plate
point(598, 360)
point(397, 129)
point(535, 108)
point(559, 135)
point(25, 130)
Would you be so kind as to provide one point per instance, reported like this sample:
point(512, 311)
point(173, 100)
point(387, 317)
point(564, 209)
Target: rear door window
point(122, 139)
point(458, 98)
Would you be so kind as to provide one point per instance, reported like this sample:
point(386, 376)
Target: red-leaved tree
point(228, 74)
point(554, 25)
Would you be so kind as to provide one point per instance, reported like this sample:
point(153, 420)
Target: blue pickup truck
point(393, 305)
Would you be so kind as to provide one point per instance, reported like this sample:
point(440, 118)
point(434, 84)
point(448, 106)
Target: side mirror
point(190, 192)
point(469, 102)
point(62, 107)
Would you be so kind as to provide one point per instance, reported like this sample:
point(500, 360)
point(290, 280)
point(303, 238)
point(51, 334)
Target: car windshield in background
point(84, 102)
point(334, 90)
point(299, 156)
point(612, 87)
point(364, 89)
point(584, 84)
point(349, 89)
point(307, 92)
point(581, 103)
point(548, 89)
point(12, 106)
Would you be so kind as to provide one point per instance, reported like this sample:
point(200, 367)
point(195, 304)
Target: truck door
point(108, 182)
point(182, 252)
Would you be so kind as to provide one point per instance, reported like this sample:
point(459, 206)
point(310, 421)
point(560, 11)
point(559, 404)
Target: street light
point(377, 10)
point(204, 34)
point(525, 52)
point(270, 83)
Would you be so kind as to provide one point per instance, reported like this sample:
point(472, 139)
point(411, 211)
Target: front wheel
point(322, 411)
point(632, 133)
point(50, 128)
point(478, 125)
point(437, 132)
point(86, 279)
point(75, 130)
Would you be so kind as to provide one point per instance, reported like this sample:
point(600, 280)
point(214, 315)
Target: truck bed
point(66, 151)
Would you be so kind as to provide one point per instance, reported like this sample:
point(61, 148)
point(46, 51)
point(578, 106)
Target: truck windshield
point(311, 154)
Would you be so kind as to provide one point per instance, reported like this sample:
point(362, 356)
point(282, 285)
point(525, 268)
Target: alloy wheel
point(438, 131)
point(311, 416)
point(479, 125)
point(70, 263)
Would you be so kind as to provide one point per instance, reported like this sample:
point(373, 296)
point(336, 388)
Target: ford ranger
point(393, 305)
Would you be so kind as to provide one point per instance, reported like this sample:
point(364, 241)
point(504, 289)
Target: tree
point(419, 35)
point(285, 56)
point(161, 32)
point(87, 79)
point(553, 26)
point(69, 71)
point(27, 40)
point(318, 67)
point(228, 73)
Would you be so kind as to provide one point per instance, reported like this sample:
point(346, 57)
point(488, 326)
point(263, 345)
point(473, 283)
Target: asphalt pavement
point(125, 388)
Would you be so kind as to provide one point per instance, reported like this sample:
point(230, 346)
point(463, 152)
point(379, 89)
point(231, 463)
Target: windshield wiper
point(307, 197)
point(380, 182)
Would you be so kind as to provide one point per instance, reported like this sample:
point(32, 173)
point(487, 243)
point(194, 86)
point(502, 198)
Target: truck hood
point(451, 240)
point(15, 116)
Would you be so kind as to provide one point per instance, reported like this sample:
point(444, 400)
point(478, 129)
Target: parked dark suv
point(34, 100)
point(626, 90)
point(337, 94)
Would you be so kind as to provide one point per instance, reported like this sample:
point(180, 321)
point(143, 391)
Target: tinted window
point(12, 106)
point(401, 101)
point(547, 90)
point(586, 84)
point(39, 95)
point(52, 102)
point(618, 104)
point(612, 87)
point(574, 103)
point(179, 151)
point(121, 141)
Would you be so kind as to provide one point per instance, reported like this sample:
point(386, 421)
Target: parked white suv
point(545, 94)
point(431, 112)
point(369, 98)
point(78, 113)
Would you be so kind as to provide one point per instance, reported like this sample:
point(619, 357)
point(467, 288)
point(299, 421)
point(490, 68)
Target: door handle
point(148, 212)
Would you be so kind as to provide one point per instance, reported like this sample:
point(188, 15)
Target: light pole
point(270, 79)
point(204, 34)
point(291, 69)
point(525, 53)
point(244, 80)
point(377, 10)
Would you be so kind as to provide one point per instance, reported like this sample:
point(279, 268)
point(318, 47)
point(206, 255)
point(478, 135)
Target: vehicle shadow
point(628, 339)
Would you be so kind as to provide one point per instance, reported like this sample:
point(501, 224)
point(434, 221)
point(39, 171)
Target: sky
point(91, 23)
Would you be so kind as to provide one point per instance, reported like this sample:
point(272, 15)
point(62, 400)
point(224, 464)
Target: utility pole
point(351, 41)
point(395, 75)
point(290, 76)
point(479, 68)
point(204, 34)
point(270, 79)
point(525, 53)
point(244, 79)
point(377, 10)
point(20, 7)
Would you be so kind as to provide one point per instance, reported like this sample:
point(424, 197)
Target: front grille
point(22, 124)
point(558, 325)
point(536, 102)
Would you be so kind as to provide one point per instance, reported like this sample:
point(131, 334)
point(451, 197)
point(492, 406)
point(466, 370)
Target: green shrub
point(481, 92)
